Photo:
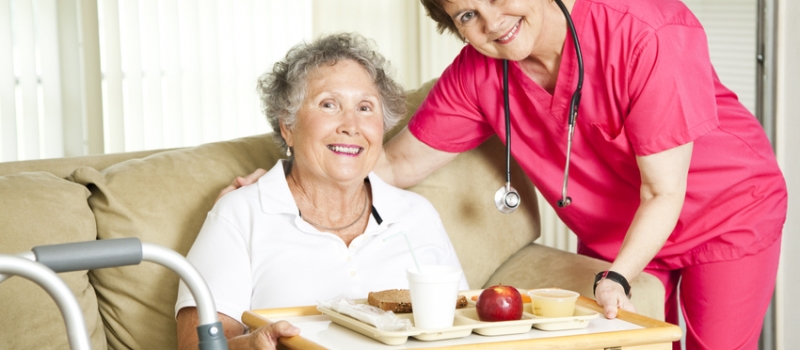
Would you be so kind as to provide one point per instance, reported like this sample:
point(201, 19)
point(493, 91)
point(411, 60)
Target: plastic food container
point(553, 302)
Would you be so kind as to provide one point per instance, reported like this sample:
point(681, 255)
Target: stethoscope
point(507, 199)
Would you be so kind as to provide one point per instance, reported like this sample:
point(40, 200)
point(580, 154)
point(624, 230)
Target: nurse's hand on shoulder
point(241, 182)
point(610, 295)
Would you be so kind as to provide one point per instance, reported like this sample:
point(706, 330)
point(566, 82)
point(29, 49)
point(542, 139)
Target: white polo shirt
point(255, 251)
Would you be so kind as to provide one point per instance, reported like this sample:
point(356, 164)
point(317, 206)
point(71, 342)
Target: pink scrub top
point(649, 86)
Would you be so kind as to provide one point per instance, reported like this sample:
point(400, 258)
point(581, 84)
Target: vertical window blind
point(103, 76)
point(30, 96)
point(179, 73)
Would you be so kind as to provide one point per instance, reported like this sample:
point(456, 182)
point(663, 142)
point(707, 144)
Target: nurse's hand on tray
point(610, 296)
point(241, 182)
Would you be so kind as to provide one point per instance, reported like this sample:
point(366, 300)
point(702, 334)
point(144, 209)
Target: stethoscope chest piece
point(506, 199)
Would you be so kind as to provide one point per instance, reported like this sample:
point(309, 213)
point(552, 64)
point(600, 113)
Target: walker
point(41, 264)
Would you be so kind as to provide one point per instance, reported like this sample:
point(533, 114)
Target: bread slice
point(395, 300)
point(399, 300)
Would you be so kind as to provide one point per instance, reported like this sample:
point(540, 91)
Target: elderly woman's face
point(506, 29)
point(339, 130)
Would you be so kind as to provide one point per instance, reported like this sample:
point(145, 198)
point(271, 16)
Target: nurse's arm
point(406, 160)
point(664, 176)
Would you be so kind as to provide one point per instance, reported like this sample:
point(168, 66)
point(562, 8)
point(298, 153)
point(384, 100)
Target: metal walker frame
point(41, 264)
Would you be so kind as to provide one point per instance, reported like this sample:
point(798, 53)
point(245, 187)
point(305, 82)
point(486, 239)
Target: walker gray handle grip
point(90, 255)
point(130, 251)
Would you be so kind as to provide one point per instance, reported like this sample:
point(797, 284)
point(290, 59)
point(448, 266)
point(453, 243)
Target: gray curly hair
point(283, 90)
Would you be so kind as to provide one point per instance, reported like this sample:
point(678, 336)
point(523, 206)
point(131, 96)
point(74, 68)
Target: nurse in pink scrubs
point(669, 172)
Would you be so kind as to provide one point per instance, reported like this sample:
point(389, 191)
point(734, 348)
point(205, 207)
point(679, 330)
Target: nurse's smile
point(512, 33)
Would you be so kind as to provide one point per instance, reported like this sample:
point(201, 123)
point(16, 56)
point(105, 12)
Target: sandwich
point(399, 300)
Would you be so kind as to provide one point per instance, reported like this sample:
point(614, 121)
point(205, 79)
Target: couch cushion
point(63, 167)
point(39, 208)
point(161, 199)
point(463, 194)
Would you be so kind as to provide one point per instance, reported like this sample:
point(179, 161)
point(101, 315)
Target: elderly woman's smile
point(346, 150)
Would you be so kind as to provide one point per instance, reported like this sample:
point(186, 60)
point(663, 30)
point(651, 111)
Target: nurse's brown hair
point(436, 12)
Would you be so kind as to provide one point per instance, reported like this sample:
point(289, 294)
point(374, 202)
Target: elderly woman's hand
point(241, 182)
point(267, 336)
point(610, 295)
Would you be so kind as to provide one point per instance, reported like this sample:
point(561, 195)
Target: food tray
point(395, 337)
point(465, 322)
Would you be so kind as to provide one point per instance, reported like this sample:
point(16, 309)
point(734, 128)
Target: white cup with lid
point(434, 292)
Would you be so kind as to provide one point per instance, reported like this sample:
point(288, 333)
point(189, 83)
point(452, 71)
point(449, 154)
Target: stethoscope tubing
point(573, 105)
point(572, 117)
point(508, 123)
point(507, 199)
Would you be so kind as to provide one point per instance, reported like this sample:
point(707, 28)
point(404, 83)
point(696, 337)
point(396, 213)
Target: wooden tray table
point(629, 331)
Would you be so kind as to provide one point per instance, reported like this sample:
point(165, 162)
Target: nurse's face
point(503, 29)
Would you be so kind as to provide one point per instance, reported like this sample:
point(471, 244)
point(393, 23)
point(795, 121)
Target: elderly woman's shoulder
point(247, 195)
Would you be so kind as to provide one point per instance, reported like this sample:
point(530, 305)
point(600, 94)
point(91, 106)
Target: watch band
point(616, 277)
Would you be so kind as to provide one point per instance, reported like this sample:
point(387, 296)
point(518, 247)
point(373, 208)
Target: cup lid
point(434, 274)
point(553, 293)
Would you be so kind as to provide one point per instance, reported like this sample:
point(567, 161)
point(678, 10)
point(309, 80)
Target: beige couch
point(162, 197)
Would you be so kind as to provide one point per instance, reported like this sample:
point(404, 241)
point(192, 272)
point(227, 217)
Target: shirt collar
point(276, 198)
point(387, 200)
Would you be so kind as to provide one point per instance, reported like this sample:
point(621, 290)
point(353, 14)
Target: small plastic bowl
point(553, 302)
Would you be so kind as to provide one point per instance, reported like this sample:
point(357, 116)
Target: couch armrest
point(538, 266)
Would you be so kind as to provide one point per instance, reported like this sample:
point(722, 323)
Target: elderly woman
point(315, 226)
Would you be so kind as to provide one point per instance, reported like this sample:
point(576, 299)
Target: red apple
point(499, 303)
